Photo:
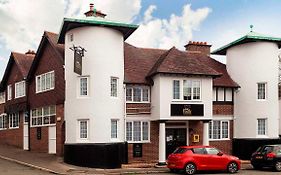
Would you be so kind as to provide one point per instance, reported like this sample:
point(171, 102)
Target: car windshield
point(180, 150)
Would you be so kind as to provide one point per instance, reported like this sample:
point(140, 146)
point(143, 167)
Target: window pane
point(224, 129)
point(113, 86)
point(83, 129)
point(196, 90)
point(261, 90)
point(210, 130)
point(43, 82)
point(216, 130)
point(52, 80)
point(129, 94)
point(114, 128)
point(83, 86)
point(187, 90)
point(129, 131)
point(38, 84)
point(176, 89)
point(137, 131)
point(261, 126)
point(144, 94)
point(145, 131)
point(137, 94)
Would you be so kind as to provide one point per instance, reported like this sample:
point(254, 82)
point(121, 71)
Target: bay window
point(137, 94)
point(137, 131)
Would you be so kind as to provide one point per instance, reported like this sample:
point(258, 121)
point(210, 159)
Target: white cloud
point(165, 33)
point(25, 22)
point(121, 10)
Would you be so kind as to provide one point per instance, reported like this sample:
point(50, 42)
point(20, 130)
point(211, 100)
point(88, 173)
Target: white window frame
point(11, 120)
point(141, 131)
point(192, 90)
point(42, 116)
point(179, 95)
point(9, 92)
point(18, 91)
point(2, 97)
point(117, 129)
point(114, 92)
point(3, 119)
point(265, 127)
point(141, 95)
point(265, 91)
point(43, 80)
point(79, 86)
point(86, 139)
point(220, 130)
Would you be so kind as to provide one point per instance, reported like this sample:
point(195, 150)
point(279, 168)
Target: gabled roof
point(141, 62)
point(250, 37)
point(51, 38)
point(71, 23)
point(178, 62)
point(23, 62)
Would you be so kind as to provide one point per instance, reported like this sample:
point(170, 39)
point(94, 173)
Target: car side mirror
point(220, 154)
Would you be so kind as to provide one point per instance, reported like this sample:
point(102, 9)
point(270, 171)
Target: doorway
point(175, 137)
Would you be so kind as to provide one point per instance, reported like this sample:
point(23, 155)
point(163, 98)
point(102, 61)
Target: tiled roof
point(143, 62)
point(23, 62)
point(138, 62)
point(53, 38)
point(178, 62)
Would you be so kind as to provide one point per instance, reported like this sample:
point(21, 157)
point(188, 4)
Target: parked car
point(196, 158)
point(267, 156)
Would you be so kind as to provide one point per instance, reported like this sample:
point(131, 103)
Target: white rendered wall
point(249, 64)
point(104, 59)
point(162, 97)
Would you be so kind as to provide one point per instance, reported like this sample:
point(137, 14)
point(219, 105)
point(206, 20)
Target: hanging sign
point(78, 55)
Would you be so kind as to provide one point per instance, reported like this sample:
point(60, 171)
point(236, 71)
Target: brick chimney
point(94, 12)
point(30, 52)
point(200, 47)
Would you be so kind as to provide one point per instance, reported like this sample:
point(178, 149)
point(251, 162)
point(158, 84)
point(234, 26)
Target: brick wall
point(149, 150)
point(39, 145)
point(223, 109)
point(60, 129)
point(13, 137)
point(195, 127)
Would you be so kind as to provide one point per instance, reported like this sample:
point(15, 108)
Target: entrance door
point(25, 132)
point(52, 140)
point(175, 137)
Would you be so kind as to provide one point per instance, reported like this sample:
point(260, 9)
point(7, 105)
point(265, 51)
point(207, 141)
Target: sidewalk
point(55, 164)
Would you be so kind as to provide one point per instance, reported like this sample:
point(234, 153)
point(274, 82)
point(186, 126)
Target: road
point(242, 172)
point(11, 168)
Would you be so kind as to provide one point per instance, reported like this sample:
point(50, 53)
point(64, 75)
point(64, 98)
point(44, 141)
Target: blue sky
point(163, 23)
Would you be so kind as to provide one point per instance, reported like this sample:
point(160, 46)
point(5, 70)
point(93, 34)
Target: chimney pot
point(91, 7)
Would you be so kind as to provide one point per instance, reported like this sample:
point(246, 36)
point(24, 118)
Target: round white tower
point(94, 99)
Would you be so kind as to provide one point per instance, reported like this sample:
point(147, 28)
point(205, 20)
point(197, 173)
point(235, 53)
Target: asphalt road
point(242, 172)
point(11, 168)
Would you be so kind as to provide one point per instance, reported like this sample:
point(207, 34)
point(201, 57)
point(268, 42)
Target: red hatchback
point(193, 158)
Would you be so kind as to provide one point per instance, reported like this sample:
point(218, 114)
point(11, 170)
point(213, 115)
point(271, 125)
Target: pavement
point(54, 164)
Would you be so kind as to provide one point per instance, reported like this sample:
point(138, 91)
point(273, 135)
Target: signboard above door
point(187, 110)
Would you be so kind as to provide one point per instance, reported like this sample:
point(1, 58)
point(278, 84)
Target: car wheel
point(190, 168)
point(232, 167)
point(278, 166)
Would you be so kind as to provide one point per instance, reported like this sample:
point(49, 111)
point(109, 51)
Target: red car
point(196, 158)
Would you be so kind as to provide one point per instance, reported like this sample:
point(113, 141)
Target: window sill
point(14, 127)
point(35, 126)
point(19, 97)
point(227, 139)
point(137, 102)
point(3, 129)
point(39, 92)
point(83, 97)
point(262, 136)
point(175, 100)
point(131, 142)
point(261, 100)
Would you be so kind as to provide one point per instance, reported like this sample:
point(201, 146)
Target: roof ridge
point(160, 60)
